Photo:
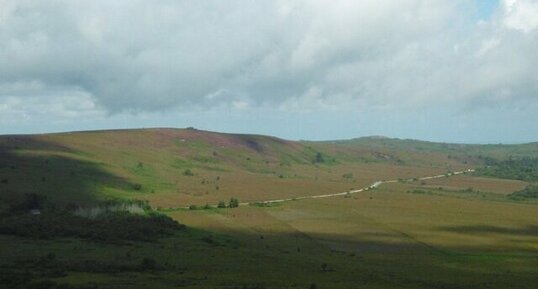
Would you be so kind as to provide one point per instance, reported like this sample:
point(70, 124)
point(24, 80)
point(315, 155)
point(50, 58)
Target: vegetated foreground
point(97, 210)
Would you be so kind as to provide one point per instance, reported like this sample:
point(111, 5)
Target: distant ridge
point(232, 134)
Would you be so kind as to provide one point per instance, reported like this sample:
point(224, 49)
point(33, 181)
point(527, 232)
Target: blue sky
point(485, 8)
point(453, 71)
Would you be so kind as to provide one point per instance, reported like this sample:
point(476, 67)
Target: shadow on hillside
point(256, 259)
point(531, 230)
point(32, 166)
point(298, 256)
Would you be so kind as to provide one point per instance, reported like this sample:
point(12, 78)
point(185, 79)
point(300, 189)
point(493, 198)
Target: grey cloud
point(156, 55)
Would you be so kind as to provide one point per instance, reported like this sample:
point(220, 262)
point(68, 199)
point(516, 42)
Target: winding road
point(372, 186)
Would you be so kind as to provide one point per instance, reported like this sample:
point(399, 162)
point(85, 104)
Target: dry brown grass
point(499, 186)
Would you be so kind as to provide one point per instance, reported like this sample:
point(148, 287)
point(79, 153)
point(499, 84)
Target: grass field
point(452, 232)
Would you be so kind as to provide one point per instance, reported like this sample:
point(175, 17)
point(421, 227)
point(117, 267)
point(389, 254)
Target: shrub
point(525, 169)
point(319, 158)
point(234, 203)
point(137, 187)
point(221, 205)
point(188, 173)
point(148, 264)
point(324, 267)
point(29, 202)
point(108, 227)
point(530, 192)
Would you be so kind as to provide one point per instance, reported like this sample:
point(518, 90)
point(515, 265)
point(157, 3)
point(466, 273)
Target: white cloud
point(293, 55)
point(521, 14)
point(55, 106)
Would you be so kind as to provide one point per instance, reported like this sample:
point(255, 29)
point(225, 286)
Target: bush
point(108, 227)
point(319, 158)
point(324, 267)
point(29, 202)
point(234, 203)
point(221, 205)
point(530, 192)
point(347, 176)
point(525, 169)
point(137, 187)
point(148, 264)
point(188, 173)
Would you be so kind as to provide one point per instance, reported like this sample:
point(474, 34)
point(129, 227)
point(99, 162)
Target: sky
point(461, 71)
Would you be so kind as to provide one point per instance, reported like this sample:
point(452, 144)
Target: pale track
point(372, 186)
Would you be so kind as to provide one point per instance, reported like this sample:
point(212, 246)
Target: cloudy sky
point(443, 70)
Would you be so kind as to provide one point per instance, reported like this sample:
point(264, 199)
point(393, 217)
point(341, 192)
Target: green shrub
point(29, 202)
point(525, 169)
point(530, 192)
point(319, 158)
point(148, 264)
point(234, 203)
point(108, 227)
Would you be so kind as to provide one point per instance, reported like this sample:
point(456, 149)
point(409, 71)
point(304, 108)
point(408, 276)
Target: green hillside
point(191, 166)
point(138, 209)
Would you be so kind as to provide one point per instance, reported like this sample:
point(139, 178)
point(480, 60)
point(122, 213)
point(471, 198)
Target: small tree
point(30, 202)
point(148, 264)
point(221, 205)
point(324, 267)
point(234, 203)
point(319, 158)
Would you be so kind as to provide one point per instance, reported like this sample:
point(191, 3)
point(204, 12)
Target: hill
point(127, 209)
point(178, 167)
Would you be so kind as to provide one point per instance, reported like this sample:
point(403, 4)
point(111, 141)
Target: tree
point(324, 267)
point(148, 264)
point(30, 202)
point(319, 158)
point(234, 203)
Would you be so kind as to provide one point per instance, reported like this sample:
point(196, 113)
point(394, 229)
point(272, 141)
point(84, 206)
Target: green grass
point(454, 232)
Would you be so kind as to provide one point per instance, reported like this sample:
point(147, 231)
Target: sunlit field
point(464, 230)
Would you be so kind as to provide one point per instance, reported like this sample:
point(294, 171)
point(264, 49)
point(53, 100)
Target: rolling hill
point(175, 167)
point(110, 202)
